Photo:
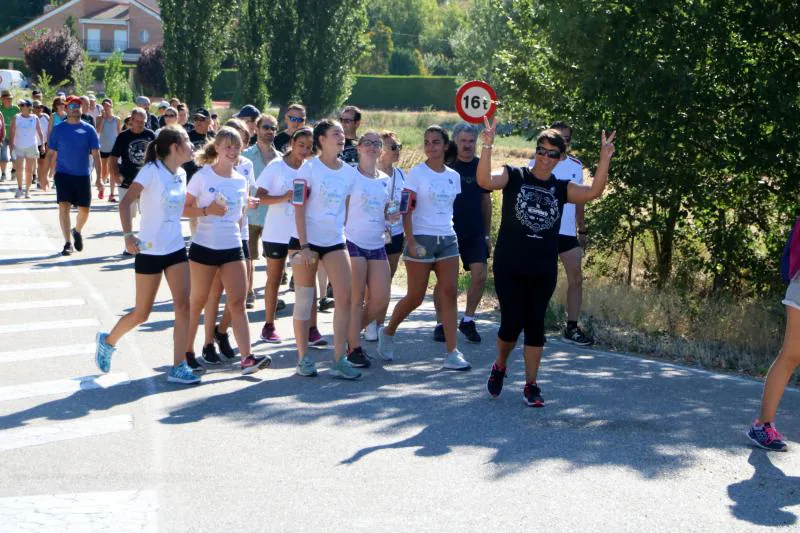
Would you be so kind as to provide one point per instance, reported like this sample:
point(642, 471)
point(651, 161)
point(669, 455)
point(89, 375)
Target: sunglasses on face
point(552, 154)
point(170, 115)
point(296, 119)
point(268, 127)
point(24, 105)
point(372, 144)
point(73, 106)
point(200, 119)
point(346, 120)
point(396, 147)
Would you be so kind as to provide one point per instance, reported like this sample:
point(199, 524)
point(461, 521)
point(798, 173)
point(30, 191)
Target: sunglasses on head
point(268, 127)
point(296, 119)
point(552, 154)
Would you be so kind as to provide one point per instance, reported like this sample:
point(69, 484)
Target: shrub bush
point(56, 52)
point(404, 92)
point(150, 69)
point(405, 62)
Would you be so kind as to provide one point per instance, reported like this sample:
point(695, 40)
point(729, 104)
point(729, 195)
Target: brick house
point(102, 26)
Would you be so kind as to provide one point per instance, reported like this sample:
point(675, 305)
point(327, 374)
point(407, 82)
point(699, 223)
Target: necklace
point(373, 175)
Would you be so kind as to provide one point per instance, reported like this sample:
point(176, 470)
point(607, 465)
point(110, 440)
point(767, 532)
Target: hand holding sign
point(476, 100)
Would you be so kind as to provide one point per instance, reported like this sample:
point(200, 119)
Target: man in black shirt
point(199, 136)
point(351, 120)
point(85, 116)
point(130, 148)
point(152, 121)
point(37, 95)
point(295, 118)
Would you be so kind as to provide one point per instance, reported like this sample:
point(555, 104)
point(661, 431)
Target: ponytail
point(150, 153)
point(208, 155)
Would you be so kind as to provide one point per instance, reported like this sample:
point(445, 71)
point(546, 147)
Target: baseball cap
point(163, 104)
point(248, 111)
point(202, 112)
point(37, 103)
point(72, 99)
point(25, 101)
point(142, 100)
point(61, 93)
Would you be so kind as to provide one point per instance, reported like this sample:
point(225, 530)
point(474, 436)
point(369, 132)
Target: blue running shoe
point(767, 436)
point(182, 374)
point(103, 352)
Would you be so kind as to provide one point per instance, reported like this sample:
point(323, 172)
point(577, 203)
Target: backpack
point(790, 261)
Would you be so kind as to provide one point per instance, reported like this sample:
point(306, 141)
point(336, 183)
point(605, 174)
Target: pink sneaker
point(268, 334)
point(254, 363)
point(315, 337)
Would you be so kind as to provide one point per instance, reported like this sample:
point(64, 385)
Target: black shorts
point(77, 190)
point(322, 251)
point(156, 264)
point(567, 243)
point(523, 302)
point(105, 155)
point(473, 249)
point(275, 250)
point(396, 246)
point(246, 250)
point(207, 256)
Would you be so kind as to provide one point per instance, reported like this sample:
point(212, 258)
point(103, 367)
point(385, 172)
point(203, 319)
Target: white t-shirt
point(567, 169)
point(161, 204)
point(276, 179)
point(44, 124)
point(366, 216)
point(435, 193)
point(399, 184)
point(215, 232)
point(25, 135)
point(325, 207)
point(245, 168)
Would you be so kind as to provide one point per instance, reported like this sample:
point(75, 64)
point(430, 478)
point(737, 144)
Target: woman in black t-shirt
point(526, 253)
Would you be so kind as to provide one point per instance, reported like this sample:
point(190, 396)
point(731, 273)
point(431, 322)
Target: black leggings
point(523, 303)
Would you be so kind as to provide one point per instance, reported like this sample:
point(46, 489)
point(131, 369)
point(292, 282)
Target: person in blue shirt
point(73, 142)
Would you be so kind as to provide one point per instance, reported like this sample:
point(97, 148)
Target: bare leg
point(146, 289)
point(782, 368)
point(211, 310)
point(477, 274)
point(41, 173)
point(178, 281)
point(379, 284)
point(572, 265)
point(303, 277)
point(63, 220)
point(418, 274)
point(274, 272)
point(202, 277)
point(394, 259)
point(533, 357)
point(80, 220)
point(358, 266)
point(29, 165)
point(234, 279)
point(504, 350)
point(337, 266)
point(447, 281)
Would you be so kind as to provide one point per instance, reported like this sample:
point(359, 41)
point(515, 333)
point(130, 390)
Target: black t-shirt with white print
point(349, 155)
point(281, 141)
point(527, 242)
point(130, 148)
point(198, 141)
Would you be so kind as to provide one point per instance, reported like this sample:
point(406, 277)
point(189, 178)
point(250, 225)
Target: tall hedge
point(404, 92)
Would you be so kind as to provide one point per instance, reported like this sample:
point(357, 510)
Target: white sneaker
point(18, 194)
point(371, 332)
point(27, 195)
point(385, 345)
point(455, 361)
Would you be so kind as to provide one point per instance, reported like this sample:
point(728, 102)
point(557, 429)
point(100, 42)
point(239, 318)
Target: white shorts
point(30, 152)
point(792, 298)
point(121, 191)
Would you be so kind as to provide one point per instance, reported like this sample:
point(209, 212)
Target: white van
point(12, 79)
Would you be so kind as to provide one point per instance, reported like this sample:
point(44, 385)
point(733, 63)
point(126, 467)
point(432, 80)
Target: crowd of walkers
point(333, 206)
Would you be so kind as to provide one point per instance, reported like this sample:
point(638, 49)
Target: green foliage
point(196, 34)
point(380, 51)
point(284, 69)
point(480, 38)
point(708, 114)
point(48, 88)
point(404, 92)
point(150, 69)
point(19, 12)
point(253, 35)
point(115, 79)
point(83, 76)
point(406, 62)
point(69, 23)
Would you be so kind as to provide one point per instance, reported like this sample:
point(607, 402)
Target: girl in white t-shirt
point(24, 141)
point(366, 230)
point(319, 237)
point(160, 188)
point(217, 196)
point(274, 188)
point(431, 245)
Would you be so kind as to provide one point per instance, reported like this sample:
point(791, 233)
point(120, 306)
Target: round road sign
point(474, 100)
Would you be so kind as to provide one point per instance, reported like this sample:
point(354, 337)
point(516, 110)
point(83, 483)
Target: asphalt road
point(624, 443)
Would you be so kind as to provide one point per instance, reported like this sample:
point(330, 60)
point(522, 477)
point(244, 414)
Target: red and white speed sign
point(474, 100)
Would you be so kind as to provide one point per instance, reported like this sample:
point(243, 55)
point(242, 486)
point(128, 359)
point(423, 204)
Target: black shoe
point(67, 249)
point(438, 333)
point(280, 305)
point(126, 253)
point(359, 358)
point(224, 344)
point(329, 290)
point(193, 363)
point(532, 395)
point(469, 330)
point(577, 337)
point(326, 304)
point(495, 384)
point(210, 355)
point(291, 284)
point(78, 238)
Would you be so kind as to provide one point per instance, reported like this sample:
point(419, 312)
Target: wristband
point(129, 234)
point(489, 146)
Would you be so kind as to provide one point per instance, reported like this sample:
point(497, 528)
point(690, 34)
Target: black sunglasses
point(396, 147)
point(552, 154)
point(268, 127)
point(296, 119)
point(170, 115)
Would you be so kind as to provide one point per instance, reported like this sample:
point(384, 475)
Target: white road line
point(63, 386)
point(43, 326)
point(28, 270)
point(50, 351)
point(41, 304)
point(120, 511)
point(9, 287)
point(12, 439)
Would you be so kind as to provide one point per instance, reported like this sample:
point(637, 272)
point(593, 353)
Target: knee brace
point(303, 300)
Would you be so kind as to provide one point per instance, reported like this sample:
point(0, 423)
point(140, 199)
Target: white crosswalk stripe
point(12, 439)
point(63, 386)
point(17, 271)
point(10, 287)
point(41, 304)
point(49, 351)
point(50, 325)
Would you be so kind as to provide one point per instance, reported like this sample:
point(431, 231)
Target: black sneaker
point(78, 238)
point(766, 436)
point(469, 330)
point(576, 336)
point(438, 333)
point(224, 344)
point(210, 355)
point(280, 305)
point(358, 358)
point(193, 363)
point(495, 384)
point(67, 249)
point(326, 304)
point(532, 395)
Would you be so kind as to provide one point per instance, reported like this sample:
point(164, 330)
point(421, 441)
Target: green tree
point(83, 75)
point(406, 62)
point(380, 51)
point(19, 12)
point(55, 52)
point(482, 35)
point(284, 68)
point(253, 36)
point(115, 79)
point(196, 36)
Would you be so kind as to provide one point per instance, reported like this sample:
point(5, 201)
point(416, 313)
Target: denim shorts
point(792, 298)
point(437, 248)
point(5, 153)
point(378, 254)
